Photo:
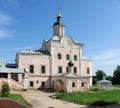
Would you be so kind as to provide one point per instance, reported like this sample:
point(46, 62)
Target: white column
point(9, 76)
point(20, 78)
point(25, 81)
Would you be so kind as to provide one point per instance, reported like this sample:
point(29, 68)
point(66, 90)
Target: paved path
point(41, 99)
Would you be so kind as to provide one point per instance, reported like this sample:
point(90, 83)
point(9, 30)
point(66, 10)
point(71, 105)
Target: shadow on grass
point(101, 103)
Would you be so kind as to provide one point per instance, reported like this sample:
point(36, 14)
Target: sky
point(24, 24)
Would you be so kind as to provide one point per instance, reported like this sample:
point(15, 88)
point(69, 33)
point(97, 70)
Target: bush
point(5, 89)
point(94, 89)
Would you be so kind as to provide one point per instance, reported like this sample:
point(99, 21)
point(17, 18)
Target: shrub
point(94, 89)
point(5, 89)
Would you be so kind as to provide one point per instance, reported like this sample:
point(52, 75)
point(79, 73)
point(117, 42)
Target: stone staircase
point(14, 85)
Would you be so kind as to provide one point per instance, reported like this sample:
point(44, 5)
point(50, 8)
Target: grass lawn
point(118, 86)
point(18, 98)
point(99, 98)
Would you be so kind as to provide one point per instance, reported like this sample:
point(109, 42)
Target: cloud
point(23, 48)
point(13, 2)
point(9, 3)
point(5, 22)
point(5, 33)
point(106, 55)
point(5, 19)
point(106, 60)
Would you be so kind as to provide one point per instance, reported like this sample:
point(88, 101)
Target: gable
point(68, 42)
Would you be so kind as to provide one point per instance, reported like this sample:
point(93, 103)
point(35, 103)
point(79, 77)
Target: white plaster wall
point(39, 80)
point(37, 61)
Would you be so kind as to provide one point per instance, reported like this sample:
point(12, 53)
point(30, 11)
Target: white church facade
point(59, 64)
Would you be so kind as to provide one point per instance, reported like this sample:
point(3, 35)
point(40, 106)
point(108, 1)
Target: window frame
point(67, 69)
point(31, 83)
point(75, 69)
point(67, 57)
point(82, 84)
point(73, 84)
point(43, 69)
point(42, 84)
point(75, 57)
point(31, 67)
point(59, 69)
point(59, 56)
point(88, 70)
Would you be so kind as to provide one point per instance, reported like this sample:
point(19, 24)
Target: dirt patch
point(10, 103)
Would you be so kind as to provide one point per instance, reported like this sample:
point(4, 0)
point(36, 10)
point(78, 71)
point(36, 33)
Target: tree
point(100, 74)
point(5, 89)
point(94, 80)
point(109, 78)
point(116, 75)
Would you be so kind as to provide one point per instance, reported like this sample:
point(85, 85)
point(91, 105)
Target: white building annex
point(58, 64)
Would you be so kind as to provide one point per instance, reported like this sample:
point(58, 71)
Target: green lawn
point(118, 86)
point(99, 98)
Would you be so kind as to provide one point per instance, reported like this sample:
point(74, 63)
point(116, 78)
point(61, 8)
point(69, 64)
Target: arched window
point(59, 56)
point(59, 69)
point(67, 57)
point(73, 84)
point(75, 69)
point(75, 58)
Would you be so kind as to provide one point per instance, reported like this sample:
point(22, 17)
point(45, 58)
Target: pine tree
point(5, 89)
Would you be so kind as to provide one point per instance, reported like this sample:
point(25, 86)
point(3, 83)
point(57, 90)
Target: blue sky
point(95, 23)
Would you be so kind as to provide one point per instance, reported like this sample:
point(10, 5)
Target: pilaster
point(25, 81)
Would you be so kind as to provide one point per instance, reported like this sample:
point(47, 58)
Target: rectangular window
point(67, 69)
point(59, 69)
point(73, 84)
point(31, 84)
point(88, 70)
point(75, 69)
point(43, 69)
point(42, 84)
point(31, 68)
point(82, 84)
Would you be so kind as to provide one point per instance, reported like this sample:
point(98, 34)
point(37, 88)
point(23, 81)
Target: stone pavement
point(41, 99)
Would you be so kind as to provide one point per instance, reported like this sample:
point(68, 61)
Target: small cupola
point(59, 27)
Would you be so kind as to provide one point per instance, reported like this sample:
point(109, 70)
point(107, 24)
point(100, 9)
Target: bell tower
point(58, 27)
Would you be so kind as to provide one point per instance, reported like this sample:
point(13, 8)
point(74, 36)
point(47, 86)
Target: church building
point(59, 64)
